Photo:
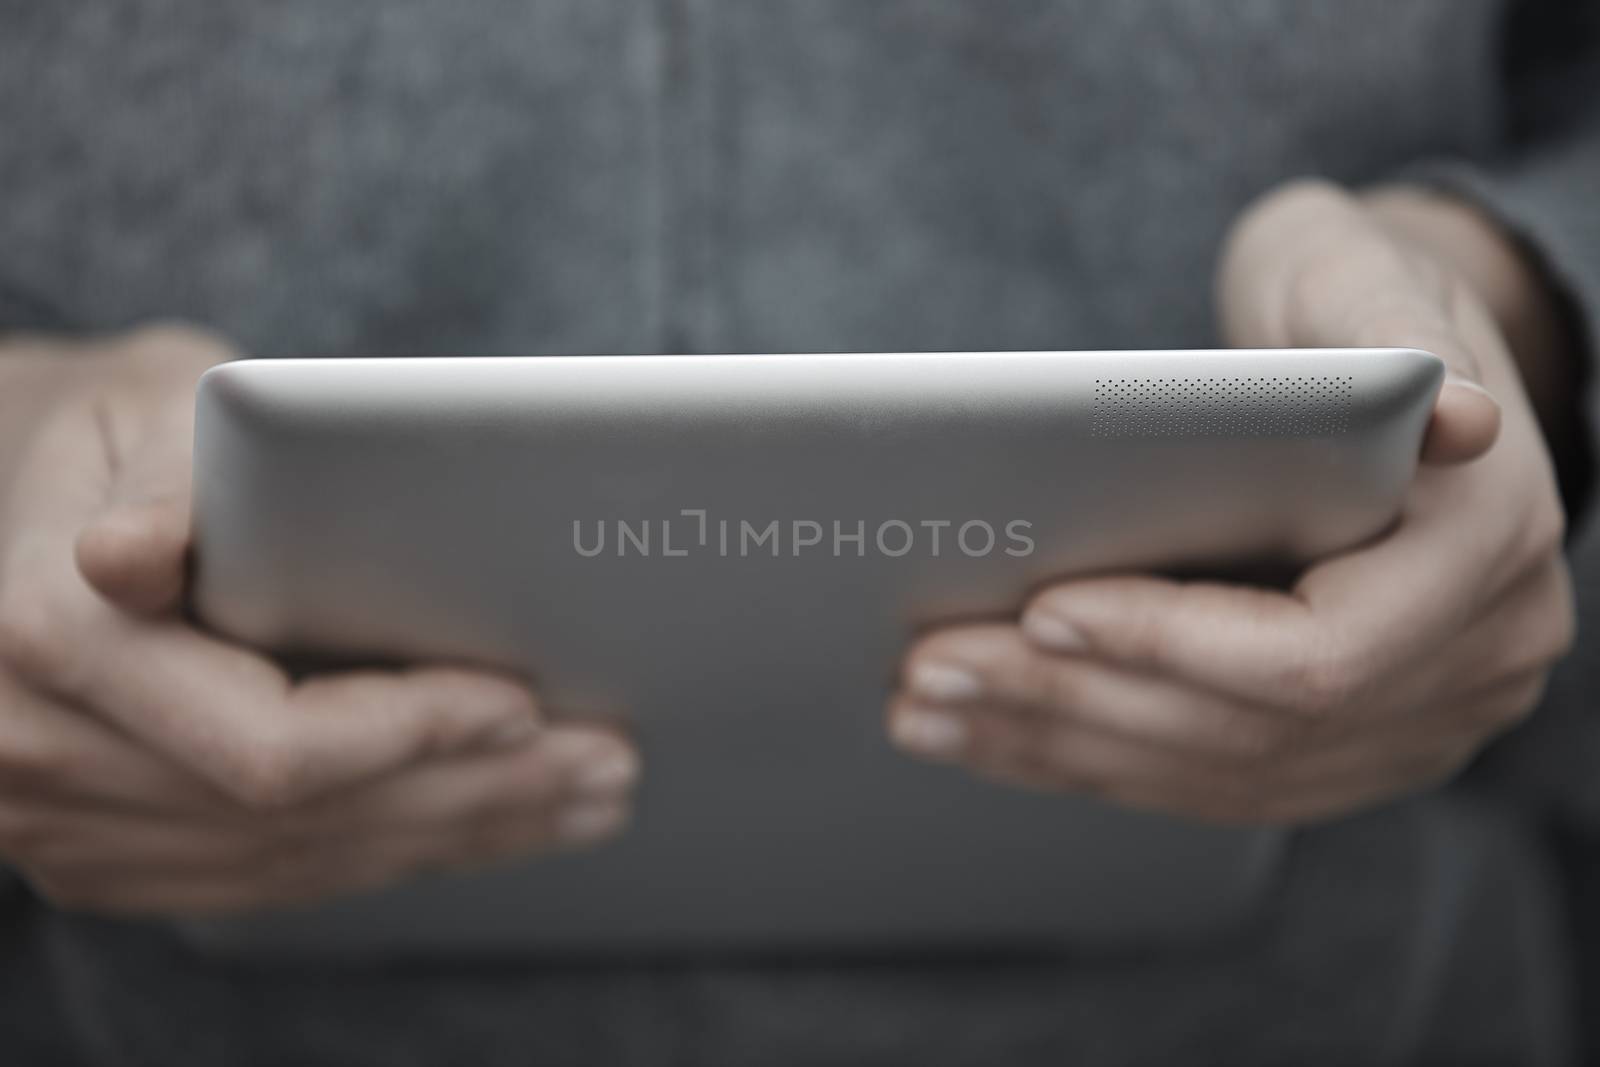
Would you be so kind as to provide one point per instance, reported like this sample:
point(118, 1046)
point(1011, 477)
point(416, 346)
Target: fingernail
point(1457, 379)
point(944, 682)
point(1053, 632)
point(587, 821)
point(513, 733)
point(578, 747)
point(610, 773)
point(591, 761)
point(928, 732)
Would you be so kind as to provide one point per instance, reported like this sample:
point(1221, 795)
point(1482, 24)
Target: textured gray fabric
point(632, 175)
point(489, 176)
point(1424, 934)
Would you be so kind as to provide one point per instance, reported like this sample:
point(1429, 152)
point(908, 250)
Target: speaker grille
point(1286, 406)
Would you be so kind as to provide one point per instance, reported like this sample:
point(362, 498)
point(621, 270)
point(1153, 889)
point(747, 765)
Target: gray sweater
point(532, 176)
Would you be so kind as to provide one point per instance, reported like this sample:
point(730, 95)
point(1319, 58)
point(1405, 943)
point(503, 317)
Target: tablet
point(732, 552)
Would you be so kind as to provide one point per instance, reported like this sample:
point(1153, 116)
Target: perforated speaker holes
point(1306, 406)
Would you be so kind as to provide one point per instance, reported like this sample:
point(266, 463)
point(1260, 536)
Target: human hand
point(1384, 669)
point(147, 767)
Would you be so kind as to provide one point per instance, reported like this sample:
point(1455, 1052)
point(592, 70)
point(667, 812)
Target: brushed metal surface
point(422, 508)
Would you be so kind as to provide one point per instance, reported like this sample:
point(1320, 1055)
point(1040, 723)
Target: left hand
point(1382, 671)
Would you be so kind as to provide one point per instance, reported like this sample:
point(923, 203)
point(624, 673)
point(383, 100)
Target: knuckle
point(1314, 284)
point(1545, 530)
point(1322, 684)
point(33, 644)
point(1151, 639)
point(1396, 322)
point(179, 341)
point(1057, 685)
point(266, 772)
point(263, 785)
point(1294, 200)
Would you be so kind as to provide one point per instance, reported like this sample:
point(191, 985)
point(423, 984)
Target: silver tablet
point(732, 551)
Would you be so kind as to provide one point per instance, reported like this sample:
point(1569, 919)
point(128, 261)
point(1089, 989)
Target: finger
point(229, 716)
point(1053, 757)
point(576, 766)
point(135, 551)
point(105, 838)
point(132, 450)
point(560, 783)
point(996, 664)
point(53, 752)
point(1057, 757)
point(999, 740)
point(236, 720)
point(565, 764)
point(115, 843)
point(1256, 645)
point(1468, 415)
point(580, 823)
point(196, 879)
point(1395, 603)
point(1465, 423)
point(1351, 622)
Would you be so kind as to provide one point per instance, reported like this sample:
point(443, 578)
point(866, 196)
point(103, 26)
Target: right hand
point(149, 768)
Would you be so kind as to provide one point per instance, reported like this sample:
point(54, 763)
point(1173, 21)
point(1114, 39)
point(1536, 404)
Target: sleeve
point(1544, 187)
point(1544, 184)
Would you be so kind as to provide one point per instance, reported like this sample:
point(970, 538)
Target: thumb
point(135, 551)
point(1465, 423)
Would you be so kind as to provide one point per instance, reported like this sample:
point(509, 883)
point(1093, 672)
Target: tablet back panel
point(732, 551)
